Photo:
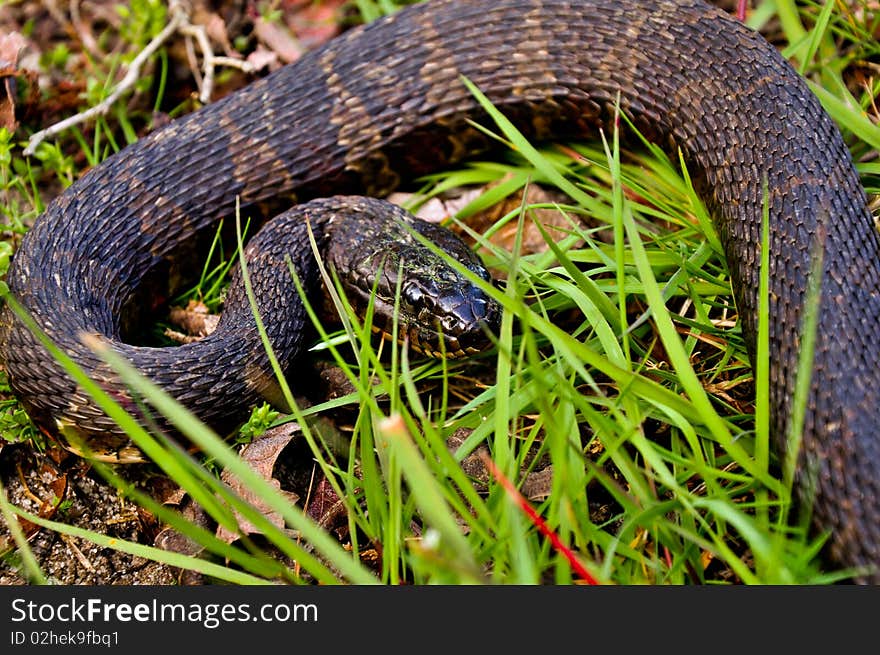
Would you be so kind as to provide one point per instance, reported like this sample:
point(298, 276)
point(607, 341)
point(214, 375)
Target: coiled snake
point(387, 101)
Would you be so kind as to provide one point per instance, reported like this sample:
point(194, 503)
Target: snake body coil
point(387, 100)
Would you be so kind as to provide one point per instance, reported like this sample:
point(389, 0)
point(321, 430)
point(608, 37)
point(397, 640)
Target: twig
point(179, 23)
point(83, 31)
point(210, 60)
point(193, 62)
point(131, 77)
point(56, 13)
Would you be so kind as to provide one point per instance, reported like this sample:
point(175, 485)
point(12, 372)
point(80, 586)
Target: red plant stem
point(539, 522)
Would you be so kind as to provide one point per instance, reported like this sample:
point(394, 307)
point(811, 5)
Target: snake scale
point(385, 102)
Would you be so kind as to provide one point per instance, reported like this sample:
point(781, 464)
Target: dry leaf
point(262, 58)
point(11, 46)
point(278, 40)
point(536, 487)
point(557, 225)
point(215, 27)
point(325, 506)
point(195, 320)
point(173, 541)
point(316, 22)
point(59, 488)
point(261, 456)
point(554, 223)
point(437, 210)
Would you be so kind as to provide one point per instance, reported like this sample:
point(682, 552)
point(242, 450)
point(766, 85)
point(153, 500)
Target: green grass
point(618, 364)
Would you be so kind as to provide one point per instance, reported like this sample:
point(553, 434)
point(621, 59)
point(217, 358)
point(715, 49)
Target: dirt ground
point(33, 481)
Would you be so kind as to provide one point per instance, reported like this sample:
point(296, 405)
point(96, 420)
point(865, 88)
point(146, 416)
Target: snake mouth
point(448, 337)
point(428, 330)
point(430, 349)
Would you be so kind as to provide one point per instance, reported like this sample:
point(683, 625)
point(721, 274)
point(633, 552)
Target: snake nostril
point(450, 325)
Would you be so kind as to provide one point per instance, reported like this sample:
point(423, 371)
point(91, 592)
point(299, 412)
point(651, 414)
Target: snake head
point(436, 308)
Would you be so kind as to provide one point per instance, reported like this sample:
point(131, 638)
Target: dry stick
point(75, 24)
point(54, 11)
point(179, 23)
point(210, 60)
point(131, 77)
point(83, 31)
point(193, 62)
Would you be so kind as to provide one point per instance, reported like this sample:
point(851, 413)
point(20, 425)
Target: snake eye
point(412, 296)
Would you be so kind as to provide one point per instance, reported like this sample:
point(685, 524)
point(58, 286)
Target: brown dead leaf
point(173, 497)
point(334, 382)
point(58, 455)
point(536, 487)
point(262, 58)
point(11, 46)
point(59, 488)
point(436, 209)
point(172, 541)
point(215, 27)
point(48, 506)
point(325, 506)
point(261, 455)
point(557, 225)
point(554, 223)
point(315, 23)
point(195, 321)
point(278, 40)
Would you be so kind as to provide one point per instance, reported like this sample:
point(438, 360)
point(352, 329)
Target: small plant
point(261, 420)
point(141, 21)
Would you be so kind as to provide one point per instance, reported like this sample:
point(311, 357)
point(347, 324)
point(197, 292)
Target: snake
point(386, 103)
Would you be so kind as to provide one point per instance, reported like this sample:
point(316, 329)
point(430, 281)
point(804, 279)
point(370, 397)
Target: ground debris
point(74, 494)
